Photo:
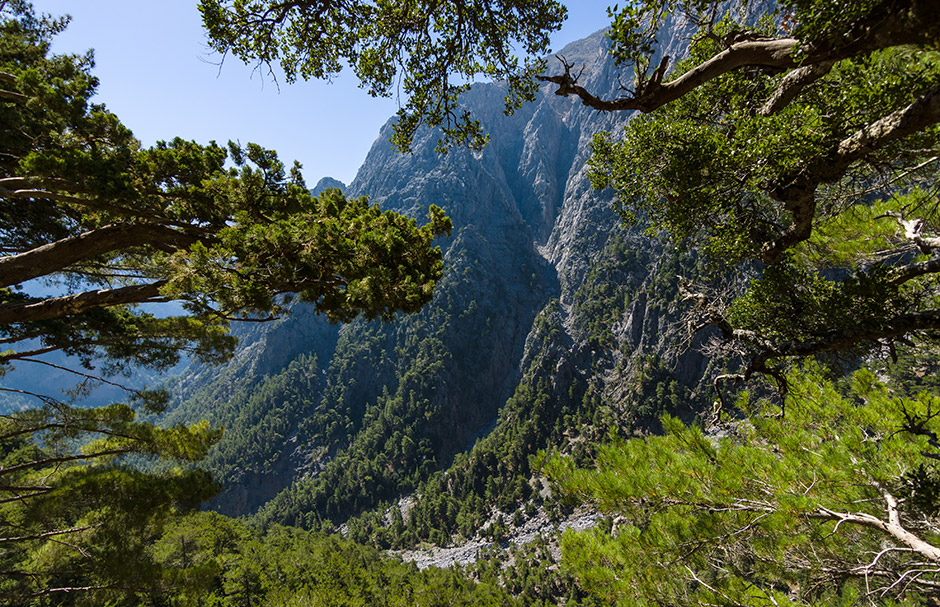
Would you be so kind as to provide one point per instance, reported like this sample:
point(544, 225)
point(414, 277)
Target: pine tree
point(831, 504)
point(105, 224)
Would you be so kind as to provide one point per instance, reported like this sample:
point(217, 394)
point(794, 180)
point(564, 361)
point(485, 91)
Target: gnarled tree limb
point(891, 527)
point(792, 84)
point(797, 194)
point(911, 271)
point(56, 307)
point(58, 255)
point(895, 23)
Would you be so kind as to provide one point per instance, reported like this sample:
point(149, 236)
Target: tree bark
point(892, 328)
point(55, 256)
point(892, 527)
point(914, 270)
point(792, 84)
point(798, 193)
point(58, 307)
point(896, 23)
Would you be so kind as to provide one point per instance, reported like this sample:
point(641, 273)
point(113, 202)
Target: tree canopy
point(92, 225)
point(101, 222)
point(798, 146)
point(426, 51)
point(833, 504)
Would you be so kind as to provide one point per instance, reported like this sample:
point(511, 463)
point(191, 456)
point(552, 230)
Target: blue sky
point(158, 76)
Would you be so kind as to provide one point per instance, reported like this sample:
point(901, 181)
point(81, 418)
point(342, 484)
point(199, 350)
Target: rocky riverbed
point(468, 552)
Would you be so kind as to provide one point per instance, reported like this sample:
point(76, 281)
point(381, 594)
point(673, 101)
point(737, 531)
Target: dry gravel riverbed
point(468, 552)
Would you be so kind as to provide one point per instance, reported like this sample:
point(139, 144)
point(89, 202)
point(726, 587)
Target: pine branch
point(68, 305)
point(56, 256)
point(64, 459)
point(48, 534)
point(48, 591)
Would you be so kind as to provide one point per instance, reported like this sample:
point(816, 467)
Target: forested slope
point(547, 308)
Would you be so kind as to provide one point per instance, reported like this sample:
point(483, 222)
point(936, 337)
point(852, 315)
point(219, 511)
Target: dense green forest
point(738, 379)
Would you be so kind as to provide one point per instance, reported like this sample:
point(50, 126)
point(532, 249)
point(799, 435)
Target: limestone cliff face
point(392, 402)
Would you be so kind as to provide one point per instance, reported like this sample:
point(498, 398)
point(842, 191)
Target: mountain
point(327, 182)
point(551, 322)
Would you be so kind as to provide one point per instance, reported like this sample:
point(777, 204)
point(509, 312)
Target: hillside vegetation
point(689, 284)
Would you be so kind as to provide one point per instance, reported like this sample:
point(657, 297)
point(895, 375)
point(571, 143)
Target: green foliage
point(703, 167)
point(77, 522)
point(428, 51)
point(635, 27)
point(345, 257)
point(785, 148)
point(811, 184)
point(219, 561)
point(791, 507)
point(827, 20)
point(106, 224)
point(788, 303)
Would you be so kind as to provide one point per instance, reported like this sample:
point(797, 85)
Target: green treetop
point(92, 224)
point(834, 504)
point(797, 146)
point(426, 50)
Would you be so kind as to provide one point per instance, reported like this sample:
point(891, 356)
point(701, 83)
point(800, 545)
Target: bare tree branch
point(11, 355)
point(48, 591)
point(65, 459)
point(42, 536)
point(914, 231)
point(37, 191)
point(902, 274)
point(79, 373)
point(892, 527)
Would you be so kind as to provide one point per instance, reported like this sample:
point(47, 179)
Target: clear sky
point(158, 76)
